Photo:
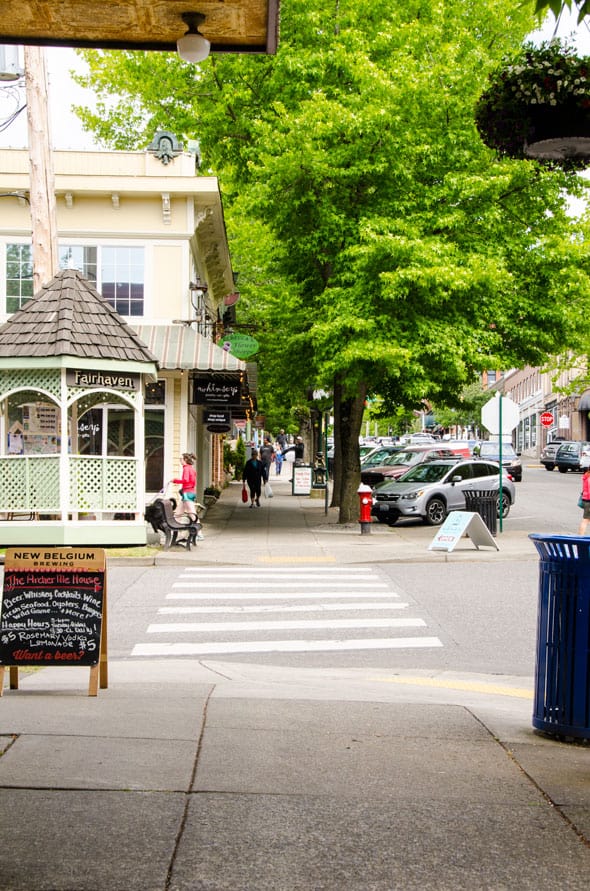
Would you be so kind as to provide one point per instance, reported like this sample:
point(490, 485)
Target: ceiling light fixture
point(193, 47)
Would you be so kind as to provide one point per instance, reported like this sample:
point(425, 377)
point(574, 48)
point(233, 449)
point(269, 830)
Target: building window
point(82, 257)
point(122, 279)
point(116, 271)
point(19, 276)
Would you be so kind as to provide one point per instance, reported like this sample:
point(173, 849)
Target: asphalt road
point(469, 617)
point(465, 617)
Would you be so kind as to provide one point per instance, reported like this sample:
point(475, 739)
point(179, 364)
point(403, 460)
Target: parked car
point(418, 439)
point(460, 446)
point(364, 450)
point(398, 463)
point(378, 455)
point(550, 451)
point(511, 462)
point(573, 456)
point(432, 489)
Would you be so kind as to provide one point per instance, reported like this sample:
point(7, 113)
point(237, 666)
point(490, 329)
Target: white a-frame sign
point(458, 524)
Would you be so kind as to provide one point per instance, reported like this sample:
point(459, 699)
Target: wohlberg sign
point(212, 390)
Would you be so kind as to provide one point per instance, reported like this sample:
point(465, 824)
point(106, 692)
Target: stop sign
point(546, 419)
point(502, 412)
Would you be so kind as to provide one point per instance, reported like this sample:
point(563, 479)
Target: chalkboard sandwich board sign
point(53, 610)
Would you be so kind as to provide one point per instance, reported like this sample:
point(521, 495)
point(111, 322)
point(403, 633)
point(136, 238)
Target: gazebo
point(65, 480)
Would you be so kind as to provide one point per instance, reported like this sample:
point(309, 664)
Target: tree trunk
point(337, 463)
point(349, 428)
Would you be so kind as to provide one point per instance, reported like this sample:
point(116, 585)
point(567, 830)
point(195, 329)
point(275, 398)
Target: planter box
point(559, 133)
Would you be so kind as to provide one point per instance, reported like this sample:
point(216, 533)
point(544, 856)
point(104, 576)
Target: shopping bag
point(268, 490)
point(244, 494)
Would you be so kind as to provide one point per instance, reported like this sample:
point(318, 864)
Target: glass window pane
point(122, 277)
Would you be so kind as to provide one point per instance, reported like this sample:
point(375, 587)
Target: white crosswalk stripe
point(240, 615)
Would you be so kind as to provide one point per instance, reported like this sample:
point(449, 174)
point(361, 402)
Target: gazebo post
point(65, 452)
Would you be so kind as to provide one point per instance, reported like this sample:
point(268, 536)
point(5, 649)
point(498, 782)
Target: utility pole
point(42, 195)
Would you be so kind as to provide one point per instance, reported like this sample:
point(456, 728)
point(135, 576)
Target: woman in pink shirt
point(586, 501)
point(188, 482)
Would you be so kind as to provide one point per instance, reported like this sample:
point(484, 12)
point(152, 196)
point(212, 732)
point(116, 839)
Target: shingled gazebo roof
point(68, 317)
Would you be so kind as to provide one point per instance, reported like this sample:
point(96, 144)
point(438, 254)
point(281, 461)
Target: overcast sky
point(66, 131)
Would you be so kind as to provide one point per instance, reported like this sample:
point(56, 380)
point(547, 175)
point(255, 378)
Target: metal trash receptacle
point(485, 503)
point(562, 672)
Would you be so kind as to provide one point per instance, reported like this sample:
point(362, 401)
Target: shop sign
point(240, 345)
point(78, 377)
point(217, 421)
point(213, 390)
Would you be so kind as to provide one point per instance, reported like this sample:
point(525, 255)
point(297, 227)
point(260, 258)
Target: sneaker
point(257, 502)
point(200, 537)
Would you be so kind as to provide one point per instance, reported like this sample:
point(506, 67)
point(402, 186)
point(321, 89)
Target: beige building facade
point(540, 392)
point(148, 233)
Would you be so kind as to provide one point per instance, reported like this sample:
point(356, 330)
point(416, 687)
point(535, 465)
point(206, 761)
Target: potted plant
point(210, 495)
point(537, 105)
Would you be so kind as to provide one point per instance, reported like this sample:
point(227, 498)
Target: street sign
point(460, 524)
point(546, 419)
point(500, 411)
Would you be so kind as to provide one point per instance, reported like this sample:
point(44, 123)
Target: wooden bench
point(160, 515)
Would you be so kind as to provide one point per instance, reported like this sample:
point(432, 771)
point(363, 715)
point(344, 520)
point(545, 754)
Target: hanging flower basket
point(538, 106)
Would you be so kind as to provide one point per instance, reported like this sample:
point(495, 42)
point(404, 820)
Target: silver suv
point(433, 489)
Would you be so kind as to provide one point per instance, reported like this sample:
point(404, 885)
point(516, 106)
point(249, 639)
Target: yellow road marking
point(469, 686)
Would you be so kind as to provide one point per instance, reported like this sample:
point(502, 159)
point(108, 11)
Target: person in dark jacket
point(253, 475)
point(267, 456)
point(297, 449)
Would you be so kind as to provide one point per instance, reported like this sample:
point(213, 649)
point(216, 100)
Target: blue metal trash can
point(562, 673)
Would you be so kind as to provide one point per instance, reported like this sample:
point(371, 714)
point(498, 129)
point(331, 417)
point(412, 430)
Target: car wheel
point(549, 466)
point(562, 469)
point(392, 521)
point(505, 506)
point(436, 512)
point(381, 518)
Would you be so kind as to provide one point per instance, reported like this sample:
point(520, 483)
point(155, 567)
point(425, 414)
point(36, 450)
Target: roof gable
point(68, 317)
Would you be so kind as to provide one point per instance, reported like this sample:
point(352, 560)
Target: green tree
point(394, 255)
point(557, 7)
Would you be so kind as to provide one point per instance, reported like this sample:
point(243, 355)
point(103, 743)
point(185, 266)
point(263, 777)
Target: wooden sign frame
point(54, 611)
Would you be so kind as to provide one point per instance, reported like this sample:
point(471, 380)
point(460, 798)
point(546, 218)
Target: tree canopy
point(382, 247)
point(557, 7)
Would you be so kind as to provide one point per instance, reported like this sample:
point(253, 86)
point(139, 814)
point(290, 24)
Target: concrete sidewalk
point(189, 775)
point(288, 528)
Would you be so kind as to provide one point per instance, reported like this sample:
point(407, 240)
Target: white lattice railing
point(96, 484)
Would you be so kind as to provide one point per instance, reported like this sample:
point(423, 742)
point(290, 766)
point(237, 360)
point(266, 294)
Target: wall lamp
point(193, 47)
point(198, 286)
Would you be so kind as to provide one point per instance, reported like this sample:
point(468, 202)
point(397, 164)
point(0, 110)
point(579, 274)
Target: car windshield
point(489, 449)
point(425, 473)
point(402, 457)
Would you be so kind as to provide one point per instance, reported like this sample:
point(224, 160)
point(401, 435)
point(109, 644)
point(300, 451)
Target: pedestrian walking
point(253, 475)
point(282, 440)
point(267, 455)
point(585, 496)
point(188, 489)
point(278, 460)
point(188, 484)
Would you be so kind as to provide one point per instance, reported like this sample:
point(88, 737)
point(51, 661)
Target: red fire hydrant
point(365, 504)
